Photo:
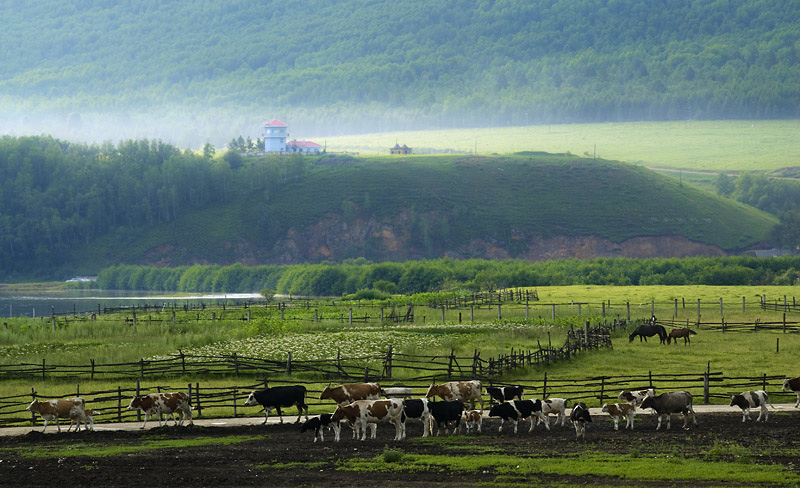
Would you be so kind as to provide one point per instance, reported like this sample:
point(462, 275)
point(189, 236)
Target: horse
point(649, 330)
point(682, 332)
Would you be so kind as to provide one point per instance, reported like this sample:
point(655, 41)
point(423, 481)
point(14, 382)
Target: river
point(38, 304)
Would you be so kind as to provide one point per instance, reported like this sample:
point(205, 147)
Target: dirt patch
point(278, 455)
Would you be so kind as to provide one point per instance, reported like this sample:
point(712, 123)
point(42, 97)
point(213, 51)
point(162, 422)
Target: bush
point(391, 455)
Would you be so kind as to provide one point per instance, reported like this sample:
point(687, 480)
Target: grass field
point(731, 145)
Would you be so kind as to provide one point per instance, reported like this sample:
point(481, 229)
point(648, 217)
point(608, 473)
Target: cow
point(466, 391)
point(519, 410)
point(418, 409)
point(580, 417)
point(504, 393)
point(163, 403)
point(793, 384)
point(446, 412)
point(86, 417)
point(65, 408)
point(637, 396)
point(277, 397)
point(473, 420)
point(557, 406)
point(347, 394)
point(363, 412)
point(671, 402)
point(316, 424)
point(619, 410)
point(751, 399)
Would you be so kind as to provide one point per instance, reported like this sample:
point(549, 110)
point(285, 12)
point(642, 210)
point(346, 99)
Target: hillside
point(529, 206)
point(190, 72)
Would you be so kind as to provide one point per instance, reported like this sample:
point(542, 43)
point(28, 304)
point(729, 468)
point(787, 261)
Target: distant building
point(772, 253)
point(397, 149)
point(303, 147)
point(275, 134)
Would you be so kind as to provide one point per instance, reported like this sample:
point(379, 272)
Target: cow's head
point(251, 400)
point(136, 403)
point(605, 408)
point(647, 402)
point(786, 386)
point(738, 401)
point(432, 391)
point(326, 393)
point(33, 406)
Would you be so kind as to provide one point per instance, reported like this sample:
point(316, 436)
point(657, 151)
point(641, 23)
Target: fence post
point(499, 312)
point(764, 382)
point(784, 322)
point(119, 404)
point(183, 361)
point(138, 411)
point(602, 388)
point(234, 403)
point(604, 309)
point(141, 367)
point(720, 307)
point(650, 377)
point(698, 312)
point(553, 311)
point(652, 307)
point(450, 364)
point(527, 309)
point(197, 397)
point(43, 368)
point(173, 317)
point(389, 362)
point(316, 315)
point(676, 308)
point(475, 363)
point(743, 305)
point(442, 313)
point(92, 360)
point(705, 382)
point(628, 306)
point(544, 387)
point(236, 361)
point(350, 317)
point(289, 363)
point(33, 415)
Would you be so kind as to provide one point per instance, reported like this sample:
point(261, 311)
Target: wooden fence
point(376, 367)
point(223, 402)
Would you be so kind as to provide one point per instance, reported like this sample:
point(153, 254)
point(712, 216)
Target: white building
point(304, 147)
point(275, 134)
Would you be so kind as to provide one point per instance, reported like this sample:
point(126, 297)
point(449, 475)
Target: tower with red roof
point(275, 134)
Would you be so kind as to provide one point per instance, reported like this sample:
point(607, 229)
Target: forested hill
point(352, 65)
point(70, 209)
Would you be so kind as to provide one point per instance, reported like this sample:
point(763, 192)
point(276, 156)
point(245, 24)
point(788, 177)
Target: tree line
point(358, 275)
point(460, 62)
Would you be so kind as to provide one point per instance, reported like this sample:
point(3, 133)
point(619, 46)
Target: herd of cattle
point(360, 406)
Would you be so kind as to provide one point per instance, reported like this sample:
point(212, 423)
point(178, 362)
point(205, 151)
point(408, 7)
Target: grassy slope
point(460, 198)
point(734, 145)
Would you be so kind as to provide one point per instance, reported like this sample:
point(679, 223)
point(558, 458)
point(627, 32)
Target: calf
point(473, 420)
point(418, 409)
point(372, 412)
point(619, 410)
point(347, 394)
point(519, 410)
point(86, 417)
point(163, 403)
point(636, 397)
point(65, 408)
point(317, 424)
point(793, 384)
point(446, 412)
point(580, 417)
point(671, 402)
point(557, 406)
point(277, 397)
point(466, 391)
point(751, 399)
point(504, 393)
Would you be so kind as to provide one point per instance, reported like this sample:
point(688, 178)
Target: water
point(30, 304)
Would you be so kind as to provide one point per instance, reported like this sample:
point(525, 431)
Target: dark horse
point(649, 330)
point(682, 332)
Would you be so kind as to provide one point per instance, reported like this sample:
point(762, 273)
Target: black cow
point(317, 423)
point(519, 410)
point(580, 417)
point(418, 409)
point(504, 393)
point(277, 397)
point(446, 412)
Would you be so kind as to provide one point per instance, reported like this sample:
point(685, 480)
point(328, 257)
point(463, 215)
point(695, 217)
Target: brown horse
point(682, 332)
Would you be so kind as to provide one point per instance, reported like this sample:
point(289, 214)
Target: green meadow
point(715, 145)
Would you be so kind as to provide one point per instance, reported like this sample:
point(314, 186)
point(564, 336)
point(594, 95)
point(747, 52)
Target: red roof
point(302, 144)
point(275, 123)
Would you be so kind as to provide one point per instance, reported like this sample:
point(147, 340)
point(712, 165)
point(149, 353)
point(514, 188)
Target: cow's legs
point(300, 407)
point(798, 400)
point(280, 414)
point(266, 414)
point(763, 413)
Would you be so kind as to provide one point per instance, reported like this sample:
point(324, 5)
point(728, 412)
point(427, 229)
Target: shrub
point(391, 455)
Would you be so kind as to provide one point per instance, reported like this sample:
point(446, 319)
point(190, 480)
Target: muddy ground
point(246, 464)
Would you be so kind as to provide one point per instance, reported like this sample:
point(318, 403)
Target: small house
point(398, 149)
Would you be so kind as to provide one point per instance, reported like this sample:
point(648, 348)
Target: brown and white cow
point(86, 416)
point(619, 410)
point(473, 420)
point(361, 413)
point(793, 384)
point(348, 393)
point(466, 391)
point(65, 408)
point(636, 397)
point(163, 403)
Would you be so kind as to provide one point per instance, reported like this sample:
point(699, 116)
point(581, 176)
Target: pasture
point(731, 145)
